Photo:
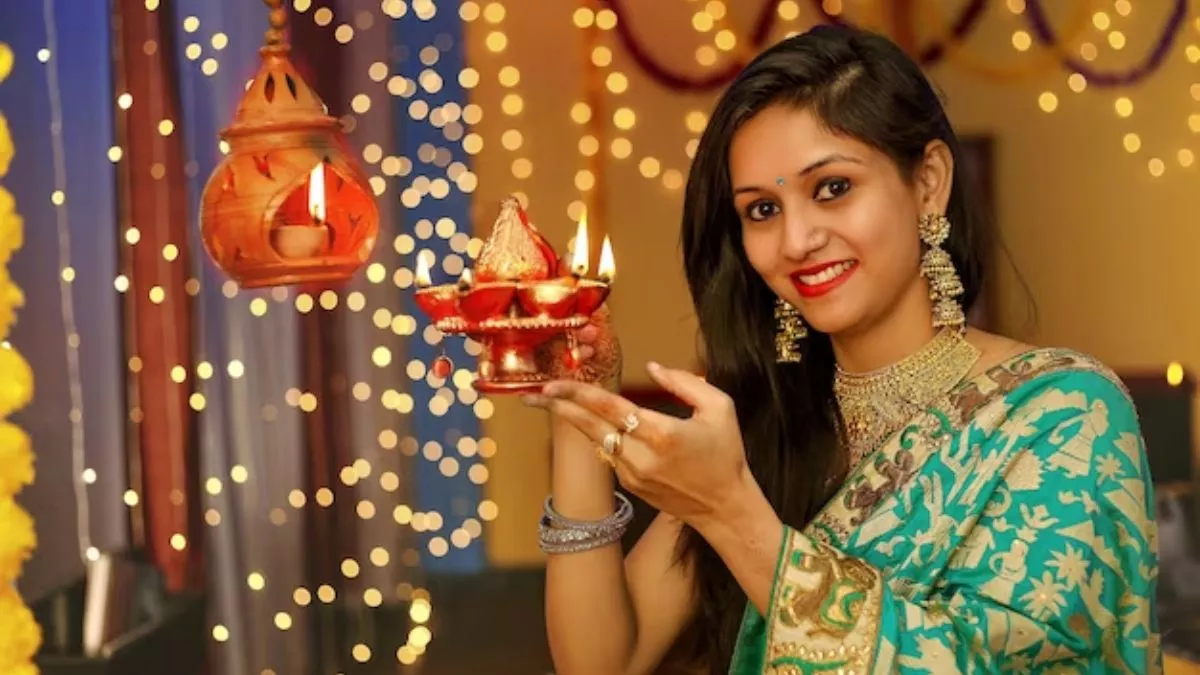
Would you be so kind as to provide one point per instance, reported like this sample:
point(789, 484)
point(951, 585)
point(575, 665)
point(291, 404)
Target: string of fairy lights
point(82, 474)
point(712, 21)
point(456, 122)
point(623, 119)
point(1109, 34)
point(451, 118)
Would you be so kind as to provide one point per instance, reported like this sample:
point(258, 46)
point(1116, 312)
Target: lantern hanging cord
point(276, 35)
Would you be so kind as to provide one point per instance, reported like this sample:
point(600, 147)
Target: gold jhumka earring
point(938, 269)
point(789, 331)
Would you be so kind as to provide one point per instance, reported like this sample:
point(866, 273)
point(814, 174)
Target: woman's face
point(828, 221)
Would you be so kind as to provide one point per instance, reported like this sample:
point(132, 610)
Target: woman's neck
point(901, 332)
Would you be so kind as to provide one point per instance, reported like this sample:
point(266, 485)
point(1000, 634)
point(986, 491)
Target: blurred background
point(301, 479)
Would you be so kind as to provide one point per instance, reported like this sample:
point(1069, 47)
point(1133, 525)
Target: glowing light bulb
point(1175, 374)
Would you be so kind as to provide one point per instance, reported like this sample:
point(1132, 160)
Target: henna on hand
point(603, 368)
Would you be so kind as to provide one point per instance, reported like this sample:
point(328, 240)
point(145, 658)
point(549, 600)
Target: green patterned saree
point(1006, 529)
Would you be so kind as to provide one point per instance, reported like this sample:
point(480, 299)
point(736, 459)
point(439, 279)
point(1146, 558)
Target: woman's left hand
point(689, 468)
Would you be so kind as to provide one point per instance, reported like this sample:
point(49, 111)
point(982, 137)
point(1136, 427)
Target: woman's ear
point(934, 178)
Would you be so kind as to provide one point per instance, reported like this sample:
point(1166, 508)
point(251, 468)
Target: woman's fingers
point(689, 387)
point(629, 460)
point(592, 425)
point(652, 427)
point(588, 333)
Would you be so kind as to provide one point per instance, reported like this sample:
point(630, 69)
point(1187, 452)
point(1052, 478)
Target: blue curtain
point(456, 497)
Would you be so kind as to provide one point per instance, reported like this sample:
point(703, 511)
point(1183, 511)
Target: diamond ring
point(631, 422)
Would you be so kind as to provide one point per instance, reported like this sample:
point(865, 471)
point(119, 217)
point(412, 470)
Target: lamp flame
point(608, 264)
point(579, 257)
point(422, 273)
point(466, 280)
point(316, 193)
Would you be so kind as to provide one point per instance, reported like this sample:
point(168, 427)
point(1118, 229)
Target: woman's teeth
point(825, 275)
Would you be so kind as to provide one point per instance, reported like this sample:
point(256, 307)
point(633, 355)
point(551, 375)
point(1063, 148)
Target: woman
point(866, 485)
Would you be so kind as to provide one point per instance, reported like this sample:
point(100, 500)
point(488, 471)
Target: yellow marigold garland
point(20, 635)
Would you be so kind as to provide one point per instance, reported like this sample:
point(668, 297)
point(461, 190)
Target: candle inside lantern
point(299, 237)
point(422, 274)
point(579, 257)
point(316, 193)
point(608, 265)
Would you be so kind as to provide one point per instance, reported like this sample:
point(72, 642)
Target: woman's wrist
point(746, 533)
point(579, 479)
point(740, 513)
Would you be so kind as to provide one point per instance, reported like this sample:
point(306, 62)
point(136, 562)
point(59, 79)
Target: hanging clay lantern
point(289, 204)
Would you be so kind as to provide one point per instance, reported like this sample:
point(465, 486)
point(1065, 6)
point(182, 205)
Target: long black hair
point(863, 86)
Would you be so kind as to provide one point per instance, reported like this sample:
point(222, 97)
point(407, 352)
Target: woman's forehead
point(784, 139)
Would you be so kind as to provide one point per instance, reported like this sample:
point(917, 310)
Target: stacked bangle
point(559, 534)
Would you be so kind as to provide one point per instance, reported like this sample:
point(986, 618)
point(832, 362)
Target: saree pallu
point(1006, 529)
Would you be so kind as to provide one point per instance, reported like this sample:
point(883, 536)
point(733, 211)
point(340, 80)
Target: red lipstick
point(817, 290)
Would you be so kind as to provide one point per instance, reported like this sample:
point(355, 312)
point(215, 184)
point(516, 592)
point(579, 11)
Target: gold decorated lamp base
point(511, 361)
point(517, 301)
point(512, 321)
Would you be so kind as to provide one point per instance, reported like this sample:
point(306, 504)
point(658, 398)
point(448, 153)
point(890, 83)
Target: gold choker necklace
point(877, 404)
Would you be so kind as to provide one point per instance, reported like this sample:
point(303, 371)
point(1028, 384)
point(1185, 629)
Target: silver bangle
point(552, 545)
point(622, 514)
point(559, 534)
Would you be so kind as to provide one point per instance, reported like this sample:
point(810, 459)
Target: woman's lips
point(817, 280)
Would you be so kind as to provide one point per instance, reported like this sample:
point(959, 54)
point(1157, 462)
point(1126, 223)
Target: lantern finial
point(276, 35)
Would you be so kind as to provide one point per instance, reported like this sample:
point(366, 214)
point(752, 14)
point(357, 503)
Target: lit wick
point(422, 273)
point(579, 257)
point(466, 281)
point(608, 265)
point(316, 194)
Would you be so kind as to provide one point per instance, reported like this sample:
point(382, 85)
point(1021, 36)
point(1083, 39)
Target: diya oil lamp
point(289, 203)
point(517, 299)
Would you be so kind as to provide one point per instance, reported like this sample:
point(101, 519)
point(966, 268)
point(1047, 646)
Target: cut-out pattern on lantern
point(289, 203)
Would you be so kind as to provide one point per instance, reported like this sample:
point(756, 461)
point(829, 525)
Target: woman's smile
point(815, 281)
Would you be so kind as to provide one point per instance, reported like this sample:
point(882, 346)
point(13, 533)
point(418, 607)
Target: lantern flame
point(608, 264)
point(316, 193)
point(579, 257)
point(422, 273)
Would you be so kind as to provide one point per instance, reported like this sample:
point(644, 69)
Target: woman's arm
point(606, 615)
point(747, 534)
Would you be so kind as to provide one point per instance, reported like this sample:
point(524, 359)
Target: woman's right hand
point(597, 357)
point(599, 351)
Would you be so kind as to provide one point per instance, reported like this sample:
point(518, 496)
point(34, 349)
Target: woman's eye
point(761, 210)
point(832, 189)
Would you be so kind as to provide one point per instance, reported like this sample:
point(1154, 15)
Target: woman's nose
point(801, 238)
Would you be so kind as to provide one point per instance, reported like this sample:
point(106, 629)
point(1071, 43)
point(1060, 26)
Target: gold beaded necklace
point(877, 404)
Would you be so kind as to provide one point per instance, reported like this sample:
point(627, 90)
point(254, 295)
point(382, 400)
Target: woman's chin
point(832, 324)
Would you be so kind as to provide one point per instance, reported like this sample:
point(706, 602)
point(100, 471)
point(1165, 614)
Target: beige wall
point(1107, 250)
